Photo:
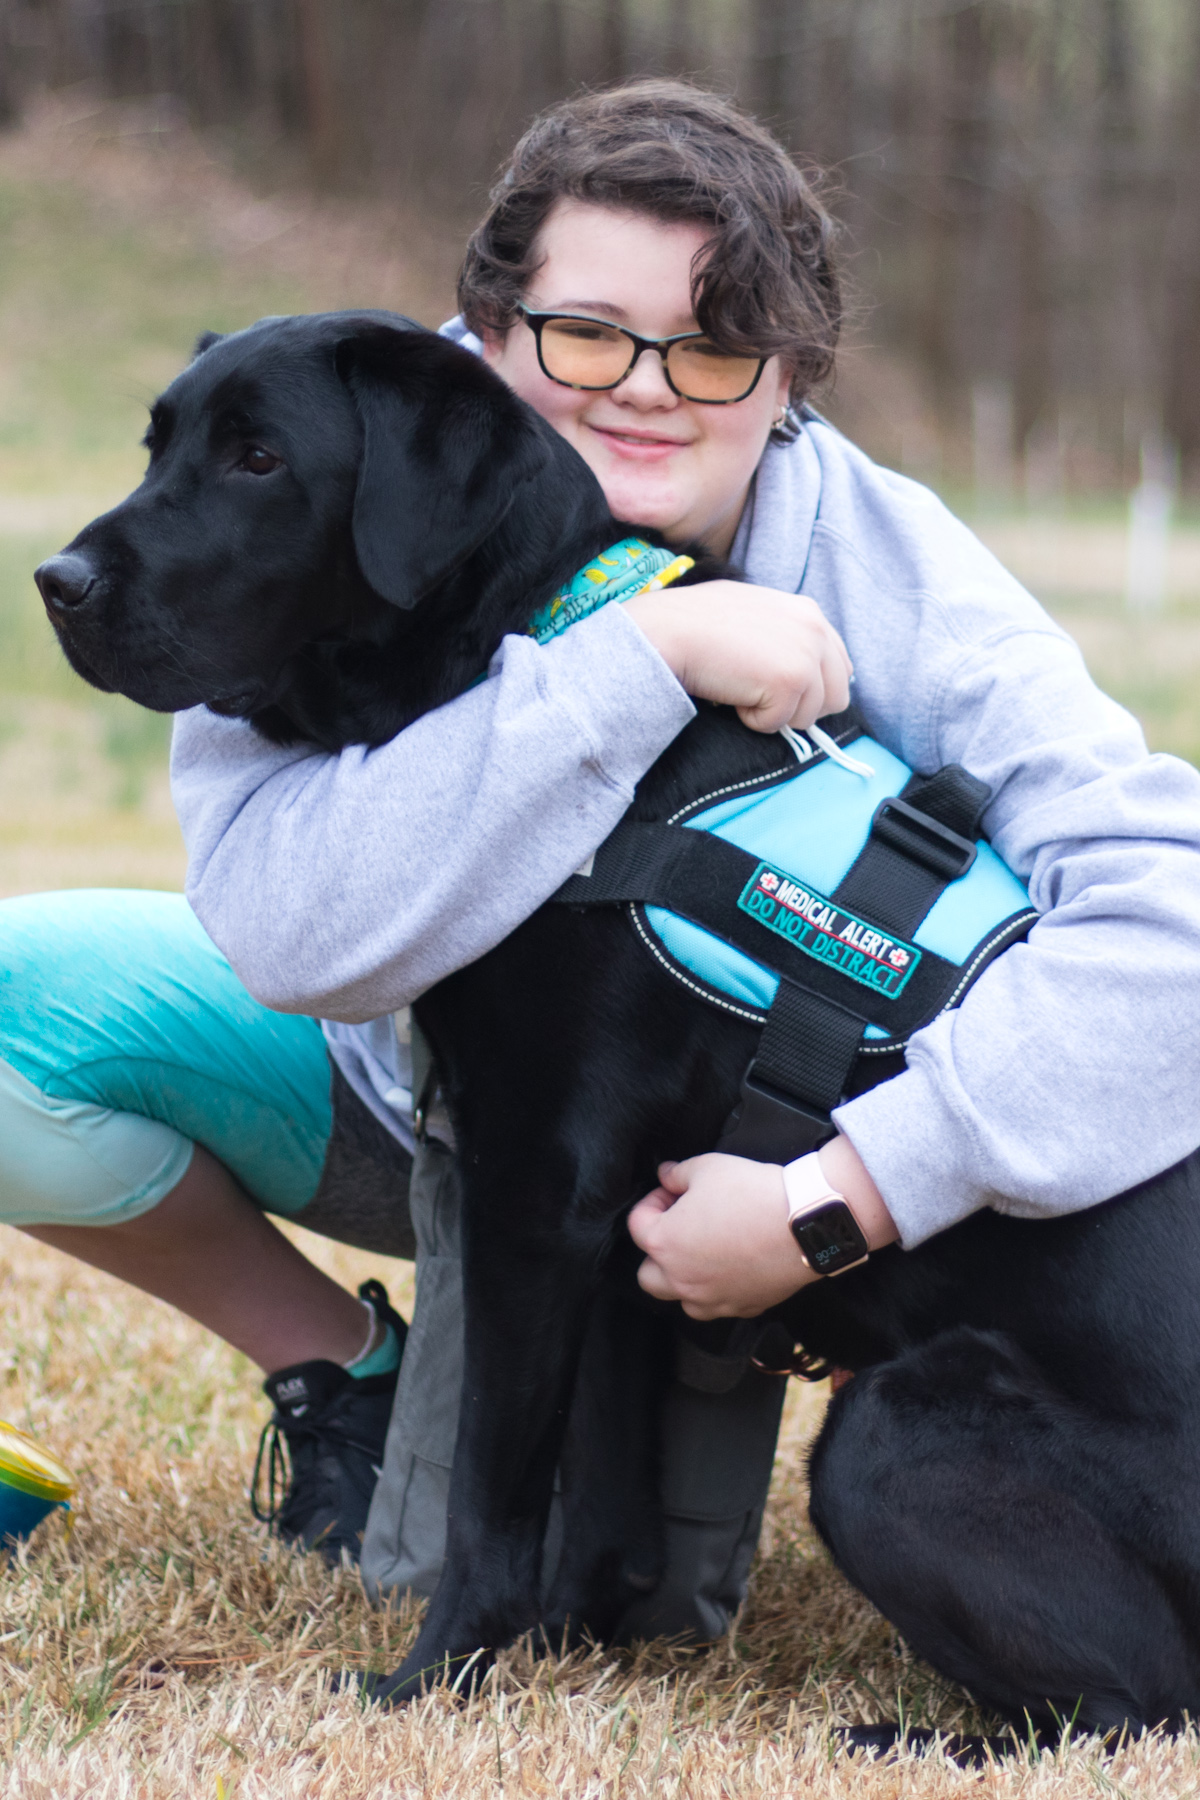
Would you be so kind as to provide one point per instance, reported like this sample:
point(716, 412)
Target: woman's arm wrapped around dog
point(347, 885)
point(716, 1236)
point(1069, 1073)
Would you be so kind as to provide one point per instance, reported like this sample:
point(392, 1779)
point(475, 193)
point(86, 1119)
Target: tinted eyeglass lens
point(584, 353)
point(701, 371)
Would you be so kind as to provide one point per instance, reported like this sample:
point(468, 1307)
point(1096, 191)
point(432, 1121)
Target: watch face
point(830, 1238)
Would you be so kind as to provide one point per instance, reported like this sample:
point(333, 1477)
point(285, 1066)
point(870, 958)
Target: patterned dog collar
point(619, 573)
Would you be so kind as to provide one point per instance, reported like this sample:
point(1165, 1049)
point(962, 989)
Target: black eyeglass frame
point(535, 321)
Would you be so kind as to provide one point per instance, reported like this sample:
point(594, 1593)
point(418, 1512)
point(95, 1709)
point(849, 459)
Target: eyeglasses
point(592, 354)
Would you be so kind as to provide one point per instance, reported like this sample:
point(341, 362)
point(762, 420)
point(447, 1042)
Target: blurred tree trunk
point(681, 45)
point(1182, 383)
point(553, 74)
point(1034, 409)
point(770, 31)
point(959, 337)
point(314, 26)
point(8, 87)
point(614, 41)
point(1119, 225)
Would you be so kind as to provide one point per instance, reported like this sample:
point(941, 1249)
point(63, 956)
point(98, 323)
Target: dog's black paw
point(375, 1687)
point(969, 1751)
point(595, 1590)
point(349, 1681)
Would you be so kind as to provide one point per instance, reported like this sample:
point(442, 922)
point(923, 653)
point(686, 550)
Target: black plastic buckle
point(777, 1353)
point(769, 1126)
point(915, 835)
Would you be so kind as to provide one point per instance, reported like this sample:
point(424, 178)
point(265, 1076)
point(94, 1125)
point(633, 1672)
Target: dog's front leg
point(614, 1546)
point(529, 1283)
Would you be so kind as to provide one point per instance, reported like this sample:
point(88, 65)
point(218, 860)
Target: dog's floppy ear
point(446, 448)
point(205, 341)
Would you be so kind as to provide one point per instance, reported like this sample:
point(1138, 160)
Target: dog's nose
point(65, 581)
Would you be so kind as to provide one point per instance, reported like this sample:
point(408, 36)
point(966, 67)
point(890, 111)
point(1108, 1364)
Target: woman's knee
point(125, 1037)
point(68, 1163)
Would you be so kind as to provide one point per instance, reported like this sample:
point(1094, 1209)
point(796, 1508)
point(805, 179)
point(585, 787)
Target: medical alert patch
point(827, 934)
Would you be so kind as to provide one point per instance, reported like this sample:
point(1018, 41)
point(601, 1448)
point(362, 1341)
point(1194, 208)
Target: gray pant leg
point(405, 1539)
point(720, 1426)
point(362, 1196)
point(719, 1430)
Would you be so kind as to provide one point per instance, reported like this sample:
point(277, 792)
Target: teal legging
point(125, 1039)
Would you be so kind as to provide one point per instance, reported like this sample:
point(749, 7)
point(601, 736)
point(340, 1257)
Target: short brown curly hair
point(769, 282)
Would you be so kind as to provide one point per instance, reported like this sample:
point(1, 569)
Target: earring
point(777, 424)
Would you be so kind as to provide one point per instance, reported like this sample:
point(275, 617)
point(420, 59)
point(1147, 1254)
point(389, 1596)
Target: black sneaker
point(334, 1428)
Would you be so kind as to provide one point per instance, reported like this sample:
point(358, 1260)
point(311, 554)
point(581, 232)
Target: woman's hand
point(774, 656)
point(716, 1235)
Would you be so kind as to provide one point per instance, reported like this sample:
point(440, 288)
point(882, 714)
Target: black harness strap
point(918, 844)
point(807, 1045)
point(700, 877)
point(796, 1079)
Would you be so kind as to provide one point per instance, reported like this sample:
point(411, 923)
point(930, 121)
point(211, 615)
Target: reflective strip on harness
point(701, 878)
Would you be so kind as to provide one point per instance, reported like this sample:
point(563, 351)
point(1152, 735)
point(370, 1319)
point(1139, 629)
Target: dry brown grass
point(162, 1646)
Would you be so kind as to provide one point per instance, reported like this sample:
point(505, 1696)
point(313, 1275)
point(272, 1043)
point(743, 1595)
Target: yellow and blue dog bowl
point(32, 1483)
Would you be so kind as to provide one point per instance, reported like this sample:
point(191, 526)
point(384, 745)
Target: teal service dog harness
point(840, 902)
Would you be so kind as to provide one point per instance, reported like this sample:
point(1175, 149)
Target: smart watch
point(830, 1237)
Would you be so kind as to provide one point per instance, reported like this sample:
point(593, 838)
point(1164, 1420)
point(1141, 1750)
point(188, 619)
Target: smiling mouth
point(643, 441)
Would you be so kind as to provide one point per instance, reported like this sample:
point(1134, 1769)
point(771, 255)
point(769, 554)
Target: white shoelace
point(823, 741)
point(375, 1334)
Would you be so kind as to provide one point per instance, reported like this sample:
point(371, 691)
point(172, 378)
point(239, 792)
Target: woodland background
point(1018, 177)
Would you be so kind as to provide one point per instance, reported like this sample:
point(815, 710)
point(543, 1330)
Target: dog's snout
point(65, 581)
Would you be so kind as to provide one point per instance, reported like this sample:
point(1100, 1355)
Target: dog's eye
point(257, 461)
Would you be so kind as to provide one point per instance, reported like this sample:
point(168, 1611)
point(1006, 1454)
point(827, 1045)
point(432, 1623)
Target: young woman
point(152, 1113)
point(342, 887)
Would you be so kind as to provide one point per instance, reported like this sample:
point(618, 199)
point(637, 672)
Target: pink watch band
point(805, 1185)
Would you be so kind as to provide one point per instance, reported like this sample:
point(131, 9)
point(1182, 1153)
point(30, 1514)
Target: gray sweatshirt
point(345, 886)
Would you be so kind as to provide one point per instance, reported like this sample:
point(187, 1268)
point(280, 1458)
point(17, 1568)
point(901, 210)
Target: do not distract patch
point(828, 934)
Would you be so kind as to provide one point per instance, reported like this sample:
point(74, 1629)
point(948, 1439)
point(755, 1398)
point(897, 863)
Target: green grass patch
point(98, 311)
point(30, 659)
point(100, 305)
point(136, 742)
point(133, 742)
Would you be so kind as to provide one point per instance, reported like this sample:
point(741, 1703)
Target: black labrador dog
point(341, 517)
